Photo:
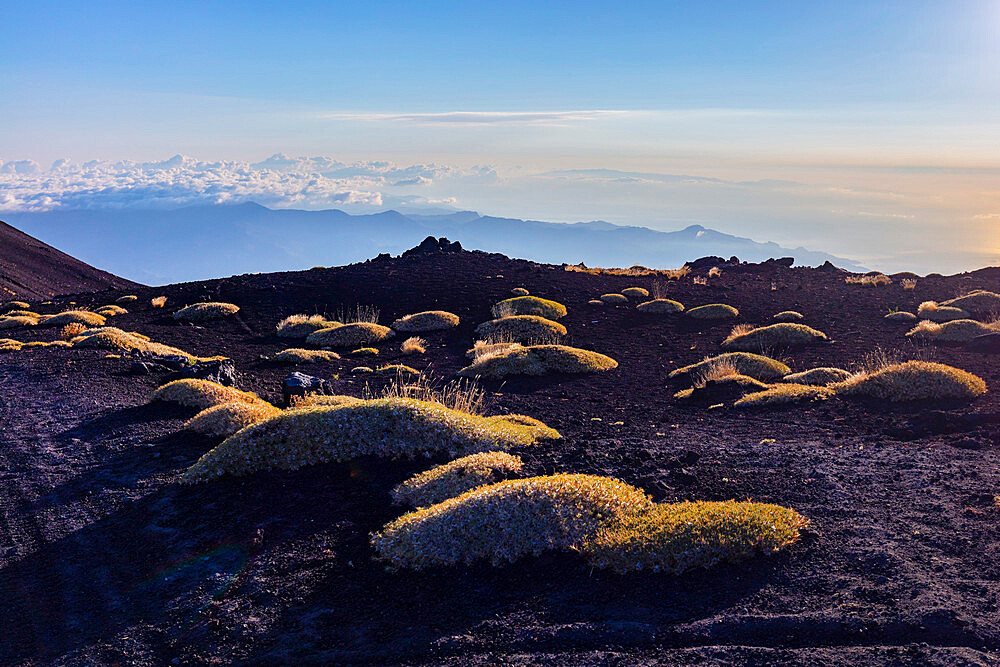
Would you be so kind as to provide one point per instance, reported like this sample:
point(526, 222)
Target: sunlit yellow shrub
point(530, 305)
point(300, 326)
point(228, 418)
point(522, 329)
point(455, 478)
point(10, 345)
point(22, 313)
point(977, 302)
point(388, 427)
point(14, 305)
point(676, 537)
point(209, 310)
point(310, 400)
point(112, 338)
point(595, 302)
point(745, 363)
point(935, 312)
point(660, 306)
point(636, 293)
point(17, 322)
point(953, 331)
point(539, 360)
point(519, 291)
point(360, 370)
point(722, 388)
point(110, 310)
point(430, 320)
point(714, 311)
point(297, 355)
point(787, 316)
point(613, 299)
point(901, 316)
point(914, 381)
point(508, 520)
point(81, 316)
point(779, 394)
point(350, 335)
point(364, 352)
point(413, 345)
point(818, 376)
point(158, 301)
point(783, 334)
point(128, 298)
point(203, 394)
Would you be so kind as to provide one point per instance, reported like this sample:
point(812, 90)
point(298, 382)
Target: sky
point(866, 129)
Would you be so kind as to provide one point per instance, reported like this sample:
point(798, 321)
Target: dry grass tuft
point(350, 335)
point(780, 394)
point(521, 329)
point(413, 345)
point(914, 381)
point(538, 360)
point(714, 272)
point(935, 312)
point(519, 291)
point(699, 280)
point(753, 365)
point(387, 427)
point(158, 301)
point(455, 478)
point(787, 316)
point(80, 316)
point(297, 355)
point(399, 370)
point(954, 331)
point(714, 311)
point(784, 334)
point(364, 352)
point(901, 316)
point(203, 394)
point(505, 521)
point(676, 537)
point(110, 310)
point(908, 283)
point(821, 376)
point(358, 314)
point(430, 320)
point(636, 293)
point(462, 395)
point(300, 325)
point(228, 418)
point(660, 306)
point(203, 312)
point(869, 280)
point(529, 305)
point(128, 298)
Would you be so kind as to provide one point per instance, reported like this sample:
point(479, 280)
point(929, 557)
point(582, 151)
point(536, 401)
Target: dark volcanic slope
point(30, 269)
point(104, 558)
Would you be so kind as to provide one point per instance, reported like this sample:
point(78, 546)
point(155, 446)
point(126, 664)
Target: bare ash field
point(866, 527)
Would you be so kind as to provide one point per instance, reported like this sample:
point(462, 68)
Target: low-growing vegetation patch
point(823, 375)
point(350, 335)
point(914, 381)
point(364, 352)
point(636, 293)
point(15, 305)
point(721, 388)
point(787, 316)
point(783, 334)
point(595, 302)
point(115, 339)
point(300, 326)
point(17, 322)
point(227, 418)
point(714, 311)
point(869, 280)
point(676, 537)
point(529, 305)
point(506, 521)
point(538, 360)
point(430, 320)
point(322, 399)
point(297, 355)
point(387, 427)
point(201, 394)
point(954, 331)
point(785, 393)
point(360, 370)
point(22, 313)
point(901, 316)
point(660, 306)
point(754, 365)
point(521, 329)
point(110, 310)
point(413, 345)
point(208, 310)
point(977, 302)
point(80, 316)
point(519, 291)
point(10, 345)
point(158, 301)
point(128, 298)
point(455, 478)
point(613, 299)
point(935, 312)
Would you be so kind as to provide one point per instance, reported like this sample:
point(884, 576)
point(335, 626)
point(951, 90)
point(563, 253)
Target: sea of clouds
point(279, 181)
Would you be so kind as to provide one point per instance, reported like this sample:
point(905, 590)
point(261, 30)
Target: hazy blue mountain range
point(166, 246)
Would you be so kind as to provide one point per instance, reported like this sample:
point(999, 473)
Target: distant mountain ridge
point(166, 246)
point(30, 269)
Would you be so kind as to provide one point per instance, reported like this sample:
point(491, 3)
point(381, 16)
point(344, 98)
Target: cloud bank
point(279, 181)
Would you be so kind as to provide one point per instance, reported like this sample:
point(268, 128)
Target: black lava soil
point(105, 558)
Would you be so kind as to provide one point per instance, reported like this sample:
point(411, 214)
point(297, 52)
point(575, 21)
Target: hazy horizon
point(866, 131)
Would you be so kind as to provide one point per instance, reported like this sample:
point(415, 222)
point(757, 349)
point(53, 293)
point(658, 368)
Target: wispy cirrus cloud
point(483, 117)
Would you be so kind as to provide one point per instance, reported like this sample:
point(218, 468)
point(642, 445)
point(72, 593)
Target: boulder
point(300, 384)
point(431, 245)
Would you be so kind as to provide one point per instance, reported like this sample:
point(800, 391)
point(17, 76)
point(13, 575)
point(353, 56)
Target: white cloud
point(279, 181)
point(482, 117)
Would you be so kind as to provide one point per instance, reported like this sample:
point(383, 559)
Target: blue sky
point(880, 119)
